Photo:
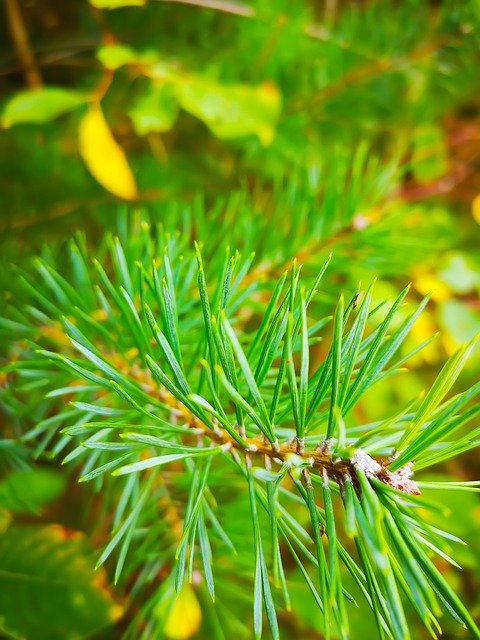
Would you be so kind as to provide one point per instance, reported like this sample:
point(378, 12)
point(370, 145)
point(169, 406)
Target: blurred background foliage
point(362, 118)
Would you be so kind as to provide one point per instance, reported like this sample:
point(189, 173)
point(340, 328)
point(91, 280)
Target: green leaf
point(171, 316)
point(114, 56)
point(40, 105)
point(369, 516)
point(167, 351)
point(336, 365)
point(459, 273)
point(262, 589)
point(454, 485)
point(250, 380)
point(444, 424)
point(267, 316)
point(108, 466)
point(206, 552)
point(27, 491)
point(459, 320)
point(292, 379)
point(278, 570)
point(53, 569)
point(194, 511)
point(354, 342)
point(429, 159)
point(437, 391)
point(375, 357)
point(448, 597)
point(309, 497)
point(176, 392)
point(231, 111)
point(207, 315)
point(129, 400)
point(156, 110)
point(161, 460)
point(304, 365)
point(239, 401)
point(348, 502)
point(336, 589)
point(107, 369)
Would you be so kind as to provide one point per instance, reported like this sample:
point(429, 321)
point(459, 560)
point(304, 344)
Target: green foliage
point(40, 105)
point(28, 490)
point(192, 373)
point(429, 156)
point(48, 575)
point(286, 85)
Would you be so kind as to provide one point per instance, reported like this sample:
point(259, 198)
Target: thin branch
point(320, 458)
point(21, 44)
point(233, 8)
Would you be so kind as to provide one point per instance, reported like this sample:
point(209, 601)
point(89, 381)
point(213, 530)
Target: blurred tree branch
point(21, 44)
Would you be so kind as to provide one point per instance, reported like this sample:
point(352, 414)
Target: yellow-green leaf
point(114, 56)
point(429, 158)
point(460, 273)
point(459, 321)
point(232, 111)
point(157, 110)
point(52, 569)
point(114, 4)
point(40, 105)
point(104, 158)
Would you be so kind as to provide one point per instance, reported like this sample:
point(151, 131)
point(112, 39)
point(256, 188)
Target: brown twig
point(21, 44)
point(318, 459)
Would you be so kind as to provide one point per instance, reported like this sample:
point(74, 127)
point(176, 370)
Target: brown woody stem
point(21, 45)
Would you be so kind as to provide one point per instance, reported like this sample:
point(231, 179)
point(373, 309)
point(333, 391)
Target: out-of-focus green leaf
point(114, 56)
point(429, 157)
point(232, 111)
point(27, 491)
point(463, 519)
point(442, 385)
point(5, 519)
point(40, 105)
point(48, 585)
point(460, 321)
point(459, 274)
point(156, 110)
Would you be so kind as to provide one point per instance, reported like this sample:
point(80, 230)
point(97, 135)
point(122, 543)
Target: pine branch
point(165, 376)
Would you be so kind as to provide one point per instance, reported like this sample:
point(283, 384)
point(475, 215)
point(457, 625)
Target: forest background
point(366, 112)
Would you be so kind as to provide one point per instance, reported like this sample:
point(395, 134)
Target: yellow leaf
point(114, 4)
point(430, 283)
point(185, 615)
point(104, 158)
point(476, 208)
point(423, 328)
